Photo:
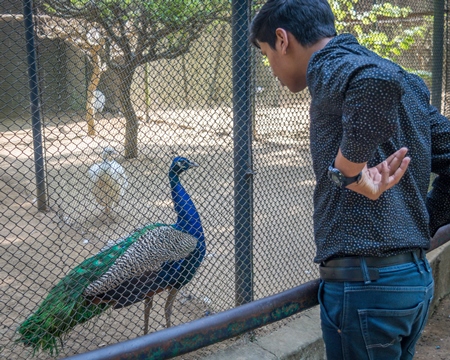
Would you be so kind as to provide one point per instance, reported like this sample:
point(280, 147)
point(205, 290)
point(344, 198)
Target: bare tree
point(126, 34)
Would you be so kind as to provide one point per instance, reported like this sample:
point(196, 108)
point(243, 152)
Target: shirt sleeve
point(438, 199)
point(370, 116)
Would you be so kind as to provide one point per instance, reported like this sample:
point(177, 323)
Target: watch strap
point(344, 180)
point(350, 180)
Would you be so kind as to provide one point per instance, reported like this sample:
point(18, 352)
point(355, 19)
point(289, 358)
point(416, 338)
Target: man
point(372, 217)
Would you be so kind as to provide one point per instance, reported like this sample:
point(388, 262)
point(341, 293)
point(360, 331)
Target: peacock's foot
point(107, 218)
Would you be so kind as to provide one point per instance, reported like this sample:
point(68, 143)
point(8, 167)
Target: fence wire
point(124, 88)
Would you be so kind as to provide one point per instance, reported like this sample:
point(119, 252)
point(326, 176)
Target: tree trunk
point(92, 86)
point(147, 92)
point(219, 56)
point(125, 76)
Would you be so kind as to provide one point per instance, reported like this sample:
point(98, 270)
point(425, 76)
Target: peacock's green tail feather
point(65, 306)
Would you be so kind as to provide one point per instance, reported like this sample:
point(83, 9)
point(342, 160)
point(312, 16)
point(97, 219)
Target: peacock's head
point(181, 164)
point(108, 152)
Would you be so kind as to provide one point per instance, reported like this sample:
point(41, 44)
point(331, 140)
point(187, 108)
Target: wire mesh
point(124, 88)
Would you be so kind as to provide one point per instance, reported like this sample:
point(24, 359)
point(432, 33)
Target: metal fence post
point(438, 53)
point(243, 179)
point(41, 195)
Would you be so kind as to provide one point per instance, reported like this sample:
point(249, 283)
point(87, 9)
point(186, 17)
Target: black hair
point(308, 20)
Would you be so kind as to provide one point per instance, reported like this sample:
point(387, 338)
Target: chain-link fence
point(118, 90)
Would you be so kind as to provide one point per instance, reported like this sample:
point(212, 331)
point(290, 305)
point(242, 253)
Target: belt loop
point(423, 256)
point(365, 270)
point(416, 261)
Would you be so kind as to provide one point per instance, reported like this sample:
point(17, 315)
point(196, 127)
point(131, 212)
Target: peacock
point(109, 181)
point(153, 258)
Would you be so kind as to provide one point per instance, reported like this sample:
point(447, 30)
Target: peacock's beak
point(193, 164)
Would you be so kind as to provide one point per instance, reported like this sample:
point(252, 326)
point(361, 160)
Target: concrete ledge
point(301, 339)
point(440, 263)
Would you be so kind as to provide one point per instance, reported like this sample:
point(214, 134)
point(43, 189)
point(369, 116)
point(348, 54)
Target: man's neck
point(320, 44)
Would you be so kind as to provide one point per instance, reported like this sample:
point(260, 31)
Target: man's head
point(308, 20)
point(288, 32)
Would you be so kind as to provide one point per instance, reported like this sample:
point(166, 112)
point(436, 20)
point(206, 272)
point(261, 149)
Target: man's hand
point(378, 179)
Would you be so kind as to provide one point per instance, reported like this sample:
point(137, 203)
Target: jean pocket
point(383, 329)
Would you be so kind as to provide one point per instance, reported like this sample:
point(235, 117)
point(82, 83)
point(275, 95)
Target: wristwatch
point(340, 180)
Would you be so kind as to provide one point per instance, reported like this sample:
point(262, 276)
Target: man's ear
point(282, 40)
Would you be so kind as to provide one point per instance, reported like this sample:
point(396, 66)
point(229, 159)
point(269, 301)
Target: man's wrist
point(339, 179)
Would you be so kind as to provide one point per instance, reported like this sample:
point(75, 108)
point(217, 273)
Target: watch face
point(335, 176)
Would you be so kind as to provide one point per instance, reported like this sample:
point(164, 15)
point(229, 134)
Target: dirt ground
point(435, 340)
point(39, 248)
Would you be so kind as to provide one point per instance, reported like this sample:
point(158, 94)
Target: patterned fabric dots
point(370, 107)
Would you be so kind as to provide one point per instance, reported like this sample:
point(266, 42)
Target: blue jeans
point(380, 320)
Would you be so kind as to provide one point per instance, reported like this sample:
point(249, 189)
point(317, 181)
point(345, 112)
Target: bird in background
point(152, 259)
point(109, 181)
point(98, 101)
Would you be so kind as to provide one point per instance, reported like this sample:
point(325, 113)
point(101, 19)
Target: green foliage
point(143, 30)
point(364, 25)
point(167, 12)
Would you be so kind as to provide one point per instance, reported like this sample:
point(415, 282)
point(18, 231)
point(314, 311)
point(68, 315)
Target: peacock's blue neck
point(188, 219)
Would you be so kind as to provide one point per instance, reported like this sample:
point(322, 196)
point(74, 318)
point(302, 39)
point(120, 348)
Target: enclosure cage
point(98, 99)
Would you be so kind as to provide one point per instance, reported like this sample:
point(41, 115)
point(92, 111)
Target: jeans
point(378, 320)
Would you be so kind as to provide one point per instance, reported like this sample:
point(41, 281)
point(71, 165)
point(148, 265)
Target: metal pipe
point(41, 195)
point(438, 53)
point(243, 174)
point(175, 341)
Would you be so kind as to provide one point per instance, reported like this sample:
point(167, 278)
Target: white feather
point(109, 180)
point(98, 101)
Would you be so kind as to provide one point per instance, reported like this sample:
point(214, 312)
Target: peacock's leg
point(148, 304)
point(169, 302)
point(109, 218)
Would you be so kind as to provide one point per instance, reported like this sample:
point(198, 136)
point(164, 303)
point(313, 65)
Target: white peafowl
point(109, 181)
point(98, 101)
point(152, 259)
